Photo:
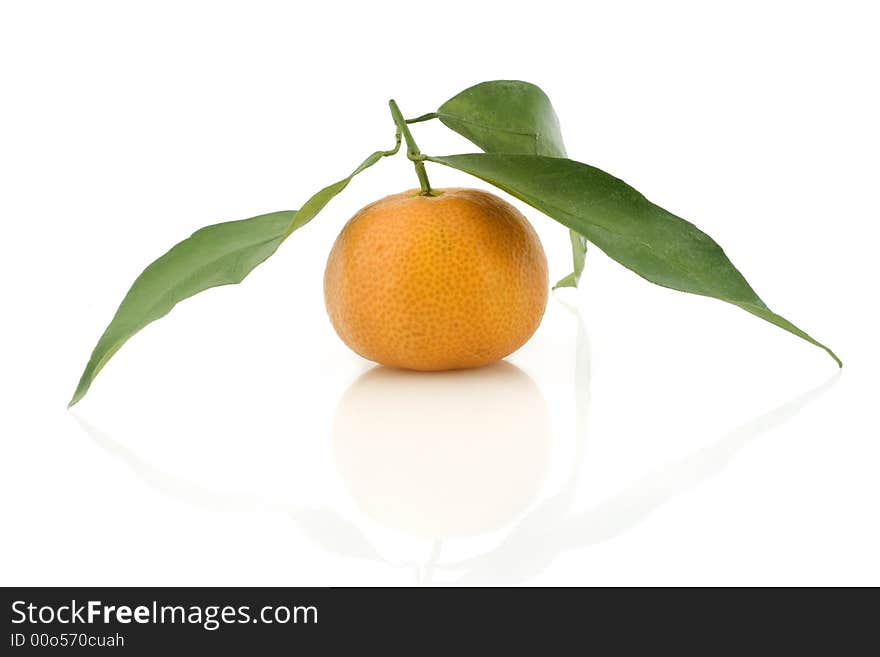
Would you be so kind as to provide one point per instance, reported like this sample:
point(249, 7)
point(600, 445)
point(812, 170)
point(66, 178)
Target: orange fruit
point(449, 281)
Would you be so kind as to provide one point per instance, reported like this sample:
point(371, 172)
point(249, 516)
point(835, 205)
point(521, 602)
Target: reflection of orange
point(439, 282)
point(445, 454)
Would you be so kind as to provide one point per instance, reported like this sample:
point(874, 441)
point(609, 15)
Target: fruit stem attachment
point(412, 149)
point(423, 117)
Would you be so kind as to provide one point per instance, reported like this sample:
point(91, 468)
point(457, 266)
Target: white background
point(641, 437)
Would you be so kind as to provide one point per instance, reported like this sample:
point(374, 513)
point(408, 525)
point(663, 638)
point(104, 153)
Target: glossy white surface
point(641, 437)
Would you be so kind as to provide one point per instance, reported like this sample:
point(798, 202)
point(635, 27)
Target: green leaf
point(221, 254)
point(505, 116)
point(511, 116)
point(578, 256)
point(640, 235)
point(315, 204)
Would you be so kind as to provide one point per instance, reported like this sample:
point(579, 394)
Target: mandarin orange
point(453, 280)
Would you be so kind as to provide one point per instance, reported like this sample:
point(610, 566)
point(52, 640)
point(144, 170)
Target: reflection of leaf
point(627, 509)
point(642, 236)
point(511, 116)
point(164, 482)
point(334, 534)
point(526, 553)
point(324, 527)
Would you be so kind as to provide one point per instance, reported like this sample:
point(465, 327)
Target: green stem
point(393, 151)
point(412, 149)
point(423, 117)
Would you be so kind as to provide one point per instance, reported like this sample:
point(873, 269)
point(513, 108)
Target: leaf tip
point(81, 389)
point(835, 357)
point(568, 281)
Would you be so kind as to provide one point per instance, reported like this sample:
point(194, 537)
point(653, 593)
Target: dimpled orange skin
point(441, 282)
